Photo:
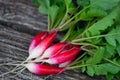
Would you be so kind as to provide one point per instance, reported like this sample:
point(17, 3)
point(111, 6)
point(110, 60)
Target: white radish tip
point(31, 67)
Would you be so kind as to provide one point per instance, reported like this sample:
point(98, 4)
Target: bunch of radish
point(46, 58)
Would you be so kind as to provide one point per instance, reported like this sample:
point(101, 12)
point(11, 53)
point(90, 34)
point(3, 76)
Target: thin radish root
point(14, 63)
point(12, 71)
point(18, 67)
point(19, 72)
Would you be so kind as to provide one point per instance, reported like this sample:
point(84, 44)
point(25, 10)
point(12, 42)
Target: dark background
point(19, 22)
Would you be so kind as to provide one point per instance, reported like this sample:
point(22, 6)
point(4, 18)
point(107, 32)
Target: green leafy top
point(93, 24)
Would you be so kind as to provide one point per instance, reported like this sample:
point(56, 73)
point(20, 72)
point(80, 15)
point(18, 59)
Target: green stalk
point(99, 36)
point(67, 34)
point(86, 44)
point(77, 14)
point(77, 67)
point(49, 23)
point(65, 16)
point(77, 61)
point(111, 62)
point(79, 36)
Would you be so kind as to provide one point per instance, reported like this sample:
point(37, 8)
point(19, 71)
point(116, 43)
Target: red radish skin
point(65, 64)
point(53, 50)
point(65, 56)
point(42, 69)
point(36, 40)
point(43, 45)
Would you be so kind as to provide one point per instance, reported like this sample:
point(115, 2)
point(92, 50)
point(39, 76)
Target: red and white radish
point(65, 64)
point(64, 56)
point(36, 40)
point(43, 45)
point(54, 50)
point(42, 69)
point(61, 54)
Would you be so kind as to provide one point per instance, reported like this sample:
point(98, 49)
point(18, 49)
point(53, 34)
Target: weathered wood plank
point(19, 22)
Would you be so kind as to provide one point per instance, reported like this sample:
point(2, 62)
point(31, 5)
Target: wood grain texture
point(19, 22)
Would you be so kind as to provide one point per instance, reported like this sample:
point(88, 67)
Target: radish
point(64, 56)
point(54, 50)
point(36, 40)
point(61, 54)
point(65, 64)
point(38, 45)
point(42, 69)
point(43, 45)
